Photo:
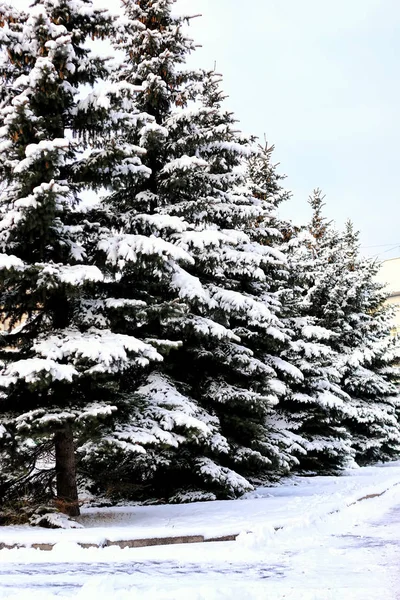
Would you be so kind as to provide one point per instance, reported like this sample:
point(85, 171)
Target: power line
point(380, 245)
point(384, 251)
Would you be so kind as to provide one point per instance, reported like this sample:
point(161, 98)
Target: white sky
point(320, 79)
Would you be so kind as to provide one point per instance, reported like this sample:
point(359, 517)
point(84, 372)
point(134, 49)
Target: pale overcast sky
point(320, 78)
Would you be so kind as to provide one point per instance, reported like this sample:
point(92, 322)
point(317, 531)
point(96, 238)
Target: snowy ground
point(288, 504)
point(351, 554)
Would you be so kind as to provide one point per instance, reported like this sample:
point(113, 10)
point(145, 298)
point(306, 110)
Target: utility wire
point(384, 251)
point(380, 245)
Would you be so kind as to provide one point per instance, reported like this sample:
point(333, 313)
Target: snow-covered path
point(353, 554)
point(51, 578)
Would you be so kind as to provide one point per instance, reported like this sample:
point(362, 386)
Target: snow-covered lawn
point(298, 499)
point(350, 554)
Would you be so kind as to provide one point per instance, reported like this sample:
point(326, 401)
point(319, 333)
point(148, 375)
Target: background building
point(389, 274)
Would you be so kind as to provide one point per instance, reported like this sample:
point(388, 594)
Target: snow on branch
point(75, 275)
point(105, 351)
point(33, 370)
point(233, 302)
point(124, 248)
point(161, 222)
point(190, 287)
point(45, 419)
point(9, 261)
point(229, 479)
point(34, 152)
point(184, 163)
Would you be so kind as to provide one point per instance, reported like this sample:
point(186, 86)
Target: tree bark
point(67, 491)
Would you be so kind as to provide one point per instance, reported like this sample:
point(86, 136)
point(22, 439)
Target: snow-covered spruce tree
point(197, 198)
point(369, 354)
point(62, 354)
point(317, 407)
point(263, 448)
point(266, 184)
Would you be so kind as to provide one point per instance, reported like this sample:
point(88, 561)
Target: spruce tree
point(61, 354)
point(197, 198)
point(317, 407)
point(369, 357)
point(343, 347)
point(267, 184)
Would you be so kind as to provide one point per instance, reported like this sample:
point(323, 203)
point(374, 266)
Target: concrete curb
point(137, 543)
point(183, 539)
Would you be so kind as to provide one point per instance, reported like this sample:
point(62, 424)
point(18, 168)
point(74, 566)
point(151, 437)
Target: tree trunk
point(67, 492)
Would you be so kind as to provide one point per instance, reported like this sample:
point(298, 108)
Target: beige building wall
point(389, 275)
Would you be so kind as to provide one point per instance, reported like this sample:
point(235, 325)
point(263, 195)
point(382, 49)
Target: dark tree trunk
point(67, 492)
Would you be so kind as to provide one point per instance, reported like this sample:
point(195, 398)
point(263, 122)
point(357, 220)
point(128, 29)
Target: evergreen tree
point(61, 354)
point(369, 355)
point(266, 183)
point(317, 407)
point(343, 347)
point(197, 197)
point(182, 336)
